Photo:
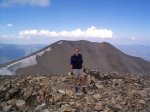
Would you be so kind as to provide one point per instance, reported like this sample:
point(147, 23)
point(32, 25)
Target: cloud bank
point(46, 36)
point(11, 3)
point(91, 32)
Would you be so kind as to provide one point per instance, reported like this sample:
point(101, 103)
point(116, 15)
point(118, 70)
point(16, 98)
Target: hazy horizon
point(46, 44)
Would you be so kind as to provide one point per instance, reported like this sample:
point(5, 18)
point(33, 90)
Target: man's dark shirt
point(76, 61)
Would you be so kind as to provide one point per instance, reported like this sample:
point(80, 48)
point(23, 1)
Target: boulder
point(57, 97)
point(62, 91)
point(13, 90)
point(66, 108)
point(7, 108)
point(11, 102)
point(99, 86)
point(69, 92)
point(43, 80)
point(20, 104)
point(27, 93)
point(40, 108)
point(46, 110)
point(98, 107)
point(96, 96)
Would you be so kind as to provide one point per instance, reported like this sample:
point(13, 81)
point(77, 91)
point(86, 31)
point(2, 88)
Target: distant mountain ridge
point(55, 59)
point(138, 50)
point(10, 52)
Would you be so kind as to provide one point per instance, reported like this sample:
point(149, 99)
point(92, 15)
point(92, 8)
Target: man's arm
point(82, 62)
point(71, 64)
point(81, 59)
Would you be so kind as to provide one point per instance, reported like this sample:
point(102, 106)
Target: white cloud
point(9, 25)
point(11, 3)
point(3, 27)
point(91, 32)
point(133, 38)
point(46, 36)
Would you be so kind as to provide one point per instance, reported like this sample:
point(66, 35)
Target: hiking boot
point(84, 90)
point(76, 89)
point(79, 86)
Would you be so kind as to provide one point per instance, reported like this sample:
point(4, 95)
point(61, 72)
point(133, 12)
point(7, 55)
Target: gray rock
point(66, 108)
point(20, 104)
point(40, 108)
point(27, 94)
point(7, 96)
point(46, 110)
point(13, 90)
point(11, 102)
point(99, 86)
point(62, 91)
point(98, 107)
point(96, 96)
point(7, 108)
point(145, 110)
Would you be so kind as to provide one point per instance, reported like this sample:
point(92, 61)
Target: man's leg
point(75, 81)
point(83, 81)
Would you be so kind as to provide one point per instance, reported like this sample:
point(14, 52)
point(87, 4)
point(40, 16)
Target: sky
point(47, 21)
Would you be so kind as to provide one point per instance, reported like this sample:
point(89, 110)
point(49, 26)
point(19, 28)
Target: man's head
point(76, 51)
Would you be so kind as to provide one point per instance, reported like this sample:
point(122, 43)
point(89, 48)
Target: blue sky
point(46, 21)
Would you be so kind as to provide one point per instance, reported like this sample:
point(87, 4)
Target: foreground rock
point(106, 92)
point(20, 104)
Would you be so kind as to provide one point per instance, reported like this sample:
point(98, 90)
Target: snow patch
point(60, 42)
point(11, 69)
point(5, 71)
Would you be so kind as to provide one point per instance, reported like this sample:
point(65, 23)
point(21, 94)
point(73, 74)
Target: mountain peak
point(106, 43)
point(54, 59)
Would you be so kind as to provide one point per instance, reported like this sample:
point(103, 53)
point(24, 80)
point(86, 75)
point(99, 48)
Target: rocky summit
point(106, 92)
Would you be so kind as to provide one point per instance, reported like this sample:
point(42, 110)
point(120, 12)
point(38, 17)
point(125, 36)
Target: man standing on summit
point(77, 69)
